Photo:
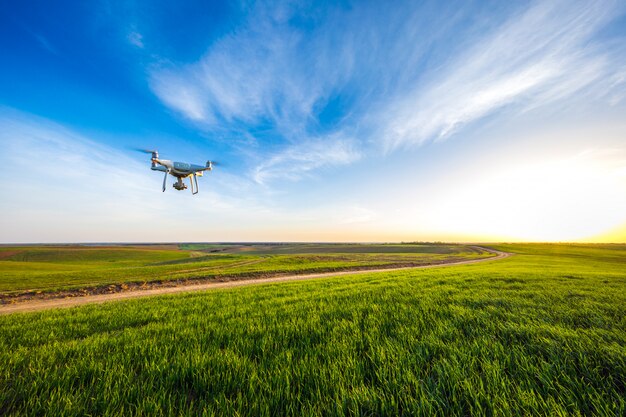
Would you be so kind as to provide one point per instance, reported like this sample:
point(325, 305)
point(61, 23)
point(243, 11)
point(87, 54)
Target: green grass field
point(53, 268)
point(540, 333)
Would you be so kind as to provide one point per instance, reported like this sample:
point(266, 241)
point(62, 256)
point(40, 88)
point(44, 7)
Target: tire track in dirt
point(38, 305)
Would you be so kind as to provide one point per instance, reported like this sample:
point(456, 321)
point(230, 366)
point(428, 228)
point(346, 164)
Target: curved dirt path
point(37, 305)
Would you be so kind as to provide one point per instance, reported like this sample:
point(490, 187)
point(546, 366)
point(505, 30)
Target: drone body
point(180, 170)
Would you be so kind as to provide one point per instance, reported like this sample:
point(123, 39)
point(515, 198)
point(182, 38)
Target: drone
point(180, 170)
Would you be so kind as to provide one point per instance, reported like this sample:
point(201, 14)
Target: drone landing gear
point(193, 179)
point(165, 180)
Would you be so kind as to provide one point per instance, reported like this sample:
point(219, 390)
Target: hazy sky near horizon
point(334, 121)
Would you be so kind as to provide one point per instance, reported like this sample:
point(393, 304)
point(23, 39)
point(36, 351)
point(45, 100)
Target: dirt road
point(37, 305)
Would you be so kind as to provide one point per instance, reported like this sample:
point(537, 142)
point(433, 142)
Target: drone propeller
point(142, 150)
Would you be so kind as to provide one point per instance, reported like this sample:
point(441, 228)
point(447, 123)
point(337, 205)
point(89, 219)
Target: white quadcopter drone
point(180, 170)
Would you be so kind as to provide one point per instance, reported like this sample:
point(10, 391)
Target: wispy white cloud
point(244, 76)
point(298, 160)
point(401, 90)
point(272, 69)
point(66, 186)
point(251, 76)
point(272, 73)
point(135, 38)
point(182, 95)
point(45, 43)
point(41, 40)
point(540, 56)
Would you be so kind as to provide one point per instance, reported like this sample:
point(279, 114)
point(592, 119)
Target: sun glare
point(556, 200)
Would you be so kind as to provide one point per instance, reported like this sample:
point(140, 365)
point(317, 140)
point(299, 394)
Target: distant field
point(208, 247)
point(346, 248)
point(48, 268)
point(539, 333)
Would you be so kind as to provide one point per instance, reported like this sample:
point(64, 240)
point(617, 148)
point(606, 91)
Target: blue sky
point(337, 121)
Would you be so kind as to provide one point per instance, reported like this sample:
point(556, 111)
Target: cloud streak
point(540, 56)
point(299, 160)
point(136, 39)
point(67, 186)
point(244, 77)
point(381, 65)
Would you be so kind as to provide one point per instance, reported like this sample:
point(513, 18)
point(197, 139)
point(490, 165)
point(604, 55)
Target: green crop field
point(53, 268)
point(539, 333)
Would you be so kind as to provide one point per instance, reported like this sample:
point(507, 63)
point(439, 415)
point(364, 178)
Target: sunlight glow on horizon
point(615, 235)
point(566, 199)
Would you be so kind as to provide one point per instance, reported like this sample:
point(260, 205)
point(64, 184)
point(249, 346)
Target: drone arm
point(166, 163)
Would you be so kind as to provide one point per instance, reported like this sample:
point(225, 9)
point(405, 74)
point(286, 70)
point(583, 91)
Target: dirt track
point(37, 305)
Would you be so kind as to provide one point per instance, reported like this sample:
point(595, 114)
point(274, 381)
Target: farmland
point(49, 268)
point(539, 333)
